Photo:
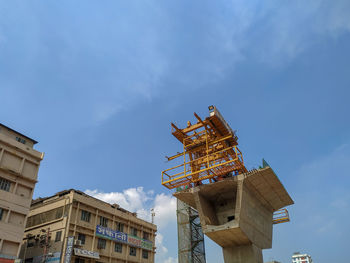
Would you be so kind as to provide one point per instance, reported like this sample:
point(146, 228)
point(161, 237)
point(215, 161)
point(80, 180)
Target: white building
point(301, 258)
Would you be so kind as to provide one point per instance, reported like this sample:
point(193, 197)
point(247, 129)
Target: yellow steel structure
point(210, 152)
point(281, 216)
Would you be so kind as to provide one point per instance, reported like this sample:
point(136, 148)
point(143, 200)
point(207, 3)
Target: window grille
point(5, 184)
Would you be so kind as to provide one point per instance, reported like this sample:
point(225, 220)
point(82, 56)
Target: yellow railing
point(183, 173)
point(280, 216)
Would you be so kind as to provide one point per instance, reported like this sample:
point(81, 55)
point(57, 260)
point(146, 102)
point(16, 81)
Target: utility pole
point(45, 242)
point(28, 236)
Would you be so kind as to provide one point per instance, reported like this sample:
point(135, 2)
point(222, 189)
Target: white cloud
point(170, 260)
point(161, 249)
point(132, 199)
point(140, 201)
point(164, 207)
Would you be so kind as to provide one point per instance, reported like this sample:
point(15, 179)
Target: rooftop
point(40, 200)
point(21, 134)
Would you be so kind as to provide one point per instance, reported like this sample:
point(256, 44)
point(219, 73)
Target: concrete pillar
point(246, 254)
point(237, 213)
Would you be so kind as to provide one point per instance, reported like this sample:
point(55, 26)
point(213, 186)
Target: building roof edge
point(7, 127)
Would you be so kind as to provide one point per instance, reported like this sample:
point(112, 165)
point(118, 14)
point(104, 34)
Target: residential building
point(301, 258)
point(72, 226)
point(19, 165)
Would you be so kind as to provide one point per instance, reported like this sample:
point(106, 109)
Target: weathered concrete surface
point(237, 212)
point(246, 254)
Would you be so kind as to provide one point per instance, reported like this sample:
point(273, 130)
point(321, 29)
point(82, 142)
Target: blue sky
point(97, 83)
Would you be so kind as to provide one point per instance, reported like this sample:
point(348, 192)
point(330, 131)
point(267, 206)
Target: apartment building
point(72, 226)
point(19, 165)
point(301, 258)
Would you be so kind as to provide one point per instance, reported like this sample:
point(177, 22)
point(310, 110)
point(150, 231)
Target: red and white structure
point(301, 258)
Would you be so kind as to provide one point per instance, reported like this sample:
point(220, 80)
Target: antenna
point(153, 214)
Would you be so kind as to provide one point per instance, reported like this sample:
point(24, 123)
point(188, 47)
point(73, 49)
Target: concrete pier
point(237, 212)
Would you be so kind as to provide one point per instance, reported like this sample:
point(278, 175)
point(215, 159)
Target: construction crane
point(210, 154)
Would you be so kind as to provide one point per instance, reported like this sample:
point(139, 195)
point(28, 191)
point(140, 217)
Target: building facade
point(301, 258)
point(72, 226)
point(19, 165)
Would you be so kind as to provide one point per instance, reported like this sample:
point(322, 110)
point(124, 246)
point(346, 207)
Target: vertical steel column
point(190, 235)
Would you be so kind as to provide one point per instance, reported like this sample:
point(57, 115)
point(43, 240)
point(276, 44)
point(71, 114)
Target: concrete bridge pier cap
point(237, 212)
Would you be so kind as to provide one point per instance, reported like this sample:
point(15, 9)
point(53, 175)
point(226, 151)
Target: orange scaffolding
point(210, 152)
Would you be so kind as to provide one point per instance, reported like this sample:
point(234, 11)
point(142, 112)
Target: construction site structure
point(190, 235)
point(236, 207)
point(209, 154)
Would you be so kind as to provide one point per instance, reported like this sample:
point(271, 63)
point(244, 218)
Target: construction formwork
point(190, 235)
point(236, 207)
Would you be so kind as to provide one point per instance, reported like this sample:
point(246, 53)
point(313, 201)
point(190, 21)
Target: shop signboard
point(86, 253)
point(52, 258)
point(111, 234)
point(134, 241)
point(146, 244)
point(55, 258)
point(69, 249)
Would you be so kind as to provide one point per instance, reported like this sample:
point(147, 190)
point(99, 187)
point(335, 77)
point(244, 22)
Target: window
point(146, 235)
point(133, 231)
point(230, 218)
point(81, 237)
point(120, 227)
point(59, 212)
point(30, 243)
point(1, 213)
point(85, 216)
point(5, 184)
point(103, 221)
point(20, 140)
point(101, 243)
point(118, 247)
point(58, 236)
point(79, 260)
point(132, 251)
point(45, 217)
point(144, 253)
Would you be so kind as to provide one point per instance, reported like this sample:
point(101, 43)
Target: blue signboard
point(111, 234)
point(69, 249)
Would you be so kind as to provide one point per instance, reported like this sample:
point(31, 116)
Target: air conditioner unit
point(78, 243)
